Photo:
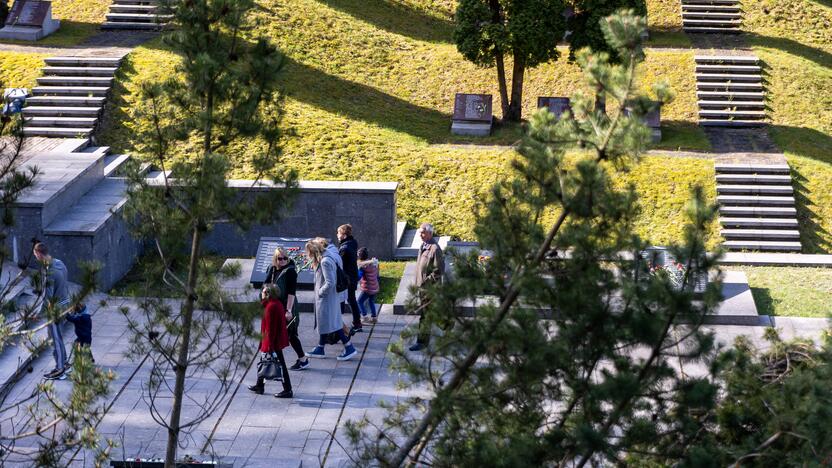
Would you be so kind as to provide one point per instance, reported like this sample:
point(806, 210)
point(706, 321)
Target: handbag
point(269, 367)
point(342, 282)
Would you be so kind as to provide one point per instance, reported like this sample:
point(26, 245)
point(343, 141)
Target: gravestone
point(556, 105)
point(660, 257)
point(653, 120)
point(472, 115)
point(29, 20)
point(263, 260)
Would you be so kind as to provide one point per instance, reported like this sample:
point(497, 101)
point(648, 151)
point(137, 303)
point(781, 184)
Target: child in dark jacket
point(368, 285)
point(82, 321)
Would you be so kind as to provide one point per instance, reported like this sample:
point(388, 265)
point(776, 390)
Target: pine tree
point(223, 93)
point(508, 388)
point(489, 31)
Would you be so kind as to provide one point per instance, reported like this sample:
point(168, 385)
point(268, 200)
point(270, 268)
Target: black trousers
point(356, 314)
point(287, 382)
point(294, 339)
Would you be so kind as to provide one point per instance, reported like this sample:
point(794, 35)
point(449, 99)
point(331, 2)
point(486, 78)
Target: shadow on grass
point(396, 18)
point(819, 56)
point(680, 135)
point(71, 33)
point(813, 236)
point(763, 301)
point(361, 102)
point(666, 36)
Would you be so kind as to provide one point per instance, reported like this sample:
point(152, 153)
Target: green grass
point(664, 21)
point(80, 19)
point(135, 283)
point(389, 279)
point(20, 70)
point(790, 291)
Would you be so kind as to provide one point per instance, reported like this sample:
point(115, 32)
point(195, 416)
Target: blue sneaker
point(317, 353)
point(349, 353)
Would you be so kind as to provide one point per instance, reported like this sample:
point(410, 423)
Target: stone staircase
point(711, 16)
point(134, 14)
point(756, 207)
point(69, 97)
point(729, 91)
point(410, 242)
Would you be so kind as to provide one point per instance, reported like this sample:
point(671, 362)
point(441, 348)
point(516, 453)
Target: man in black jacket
point(348, 249)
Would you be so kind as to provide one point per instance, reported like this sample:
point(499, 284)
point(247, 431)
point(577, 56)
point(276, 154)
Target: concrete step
point(766, 223)
point(753, 179)
point(56, 132)
point(113, 163)
point(727, 59)
point(143, 9)
point(754, 189)
point(760, 234)
point(135, 2)
point(781, 169)
point(110, 25)
point(46, 111)
point(711, 30)
point(734, 77)
point(65, 101)
point(82, 61)
point(731, 95)
point(755, 200)
point(75, 80)
point(732, 114)
point(758, 211)
point(726, 86)
point(79, 71)
point(711, 15)
point(731, 123)
point(64, 91)
point(137, 17)
point(752, 245)
point(711, 8)
point(710, 23)
point(719, 68)
point(724, 105)
point(73, 122)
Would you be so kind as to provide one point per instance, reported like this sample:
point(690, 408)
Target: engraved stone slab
point(473, 107)
point(556, 105)
point(265, 252)
point(28, 13)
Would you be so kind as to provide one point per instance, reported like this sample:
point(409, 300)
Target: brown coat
point(430, 265)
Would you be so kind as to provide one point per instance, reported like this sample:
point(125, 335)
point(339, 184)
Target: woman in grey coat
point(327, 299)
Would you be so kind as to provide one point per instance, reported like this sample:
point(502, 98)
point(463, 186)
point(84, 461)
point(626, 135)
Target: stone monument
point(653, 120)
point(29, 20)
point(265, 252)
point(472, 115)
point(556, 105)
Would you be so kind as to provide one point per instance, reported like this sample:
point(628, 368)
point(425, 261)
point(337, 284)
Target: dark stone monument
point(556, 105)
point(263, 260)
point(472, 115)
point(29, 20)
point(654, 121)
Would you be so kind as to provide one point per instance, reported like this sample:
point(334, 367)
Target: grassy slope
point(19, 69)
point(794, 39)
point(801, 292)
point(664, 20)
point(80, 19)
point(369, 89)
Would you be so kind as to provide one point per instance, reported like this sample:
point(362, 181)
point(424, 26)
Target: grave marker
point(653, 120)
point(556, 105)
point(472, 115)
point(263, 260)
point(29, 20)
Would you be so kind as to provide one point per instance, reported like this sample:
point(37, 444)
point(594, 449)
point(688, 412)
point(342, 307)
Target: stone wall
point(320, 207)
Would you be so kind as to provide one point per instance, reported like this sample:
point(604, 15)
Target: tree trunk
point(515, 108)
point(184, 349)
point(601, 101)
point(497, 18)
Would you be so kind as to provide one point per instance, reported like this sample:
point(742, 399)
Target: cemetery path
point(103, 44)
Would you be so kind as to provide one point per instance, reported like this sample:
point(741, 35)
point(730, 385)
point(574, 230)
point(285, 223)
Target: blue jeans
point(365, 297)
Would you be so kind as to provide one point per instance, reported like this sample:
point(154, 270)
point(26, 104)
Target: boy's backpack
point(342, 282)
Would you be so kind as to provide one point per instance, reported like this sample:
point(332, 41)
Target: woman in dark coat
point(275, 337)
point(284, 275)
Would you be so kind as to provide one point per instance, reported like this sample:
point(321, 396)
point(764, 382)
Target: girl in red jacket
point(275, 337)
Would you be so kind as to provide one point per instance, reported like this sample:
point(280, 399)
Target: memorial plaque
point(472, 107)
point(556, 105)
point(28, 13)
point(653, 119)
point(265, 252)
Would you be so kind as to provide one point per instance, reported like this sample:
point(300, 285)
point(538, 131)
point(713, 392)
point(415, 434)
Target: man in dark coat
point(430, 268)
point(348, 249)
